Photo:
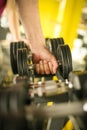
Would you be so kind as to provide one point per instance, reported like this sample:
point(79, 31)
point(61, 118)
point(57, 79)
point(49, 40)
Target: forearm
point(14, 27)
point(29, 13)
point(13, 19)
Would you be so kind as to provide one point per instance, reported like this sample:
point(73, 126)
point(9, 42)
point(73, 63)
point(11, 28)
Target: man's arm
point(29, 14)
point(13, 20)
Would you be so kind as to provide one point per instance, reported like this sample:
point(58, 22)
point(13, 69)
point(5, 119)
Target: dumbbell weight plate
point(19, 62)
point(69, 57)
point(13, 50)
point(18, 45)
point(24, 61)
point(52, 44)
point(66, 62)
point(22, 44)
point(48, 44)
point(12, 58)
point(60, 60)
point(61, 56)
point(56, 44)
point(60, 41)
point(14, 46)
point(54, 49)
point(66, 73)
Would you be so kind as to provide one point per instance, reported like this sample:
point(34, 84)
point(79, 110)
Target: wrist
point(36, 44)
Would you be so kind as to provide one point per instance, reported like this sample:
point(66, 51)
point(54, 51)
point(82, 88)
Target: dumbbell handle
point(47, 76)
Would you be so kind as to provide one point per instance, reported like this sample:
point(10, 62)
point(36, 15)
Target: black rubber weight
point(48, 44)
point(14, 46)
point(60, 41)
point(65, 58)
point(19, 62)
point(61, 57)
point(24, 62)
point(53, 44)
point(68, 51)
point(56, 44)
point(12, 58)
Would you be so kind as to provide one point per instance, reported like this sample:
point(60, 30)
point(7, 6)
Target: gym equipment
point(27, 99)
point(22, 63)
point(17, 101)
point(52, 44)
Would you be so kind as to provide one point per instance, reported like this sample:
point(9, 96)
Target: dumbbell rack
point(18, 101)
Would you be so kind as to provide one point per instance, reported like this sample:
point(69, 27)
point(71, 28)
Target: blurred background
point(67, 19)
point(59, 18)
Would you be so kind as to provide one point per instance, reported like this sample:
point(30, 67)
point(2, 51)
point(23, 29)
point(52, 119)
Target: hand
point(45, 61)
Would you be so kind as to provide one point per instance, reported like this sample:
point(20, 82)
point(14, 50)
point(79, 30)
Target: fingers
point(51, 68)
point(55, 64)
point(37, 68)
point(41, 67)
point(45, 62)
point(52, 63)
point(44, 67)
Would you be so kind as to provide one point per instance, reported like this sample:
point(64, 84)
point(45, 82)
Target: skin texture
point(29, 15)
point(13, 20)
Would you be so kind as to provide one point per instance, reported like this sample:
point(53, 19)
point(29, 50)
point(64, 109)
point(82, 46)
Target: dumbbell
point(65, 59)
point(62, 52)
point(23, 55)
point(14, 46)
point(52, 44)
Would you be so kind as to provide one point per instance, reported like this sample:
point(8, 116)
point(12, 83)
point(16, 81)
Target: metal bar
point(60, 110)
